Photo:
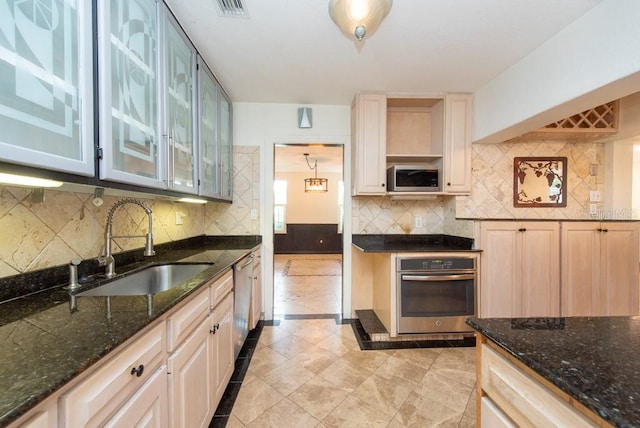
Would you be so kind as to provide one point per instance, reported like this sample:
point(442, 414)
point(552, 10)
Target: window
point(280, 206)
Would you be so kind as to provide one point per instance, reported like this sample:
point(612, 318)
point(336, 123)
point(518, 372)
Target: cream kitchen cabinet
point(511, 395)
point(519, 269)
point(368, 144)
point(600, 268)
point(201, 364)
point(389, 130)
point(457, 143)
point(127, 380)
point(222, 344)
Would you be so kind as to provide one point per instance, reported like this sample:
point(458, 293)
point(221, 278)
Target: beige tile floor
point(306, 284)
point(311, 373)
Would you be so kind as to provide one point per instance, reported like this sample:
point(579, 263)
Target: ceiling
point(290, 51)
point(290, 158)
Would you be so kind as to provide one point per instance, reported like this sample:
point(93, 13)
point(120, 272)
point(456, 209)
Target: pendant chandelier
point(358, 18)
point(315, 184)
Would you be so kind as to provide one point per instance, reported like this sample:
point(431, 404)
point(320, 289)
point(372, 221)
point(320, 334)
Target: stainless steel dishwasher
point(242, 283)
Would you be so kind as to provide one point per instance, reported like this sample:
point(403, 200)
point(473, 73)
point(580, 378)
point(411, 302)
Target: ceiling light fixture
point(359, 18)
point(315, 184)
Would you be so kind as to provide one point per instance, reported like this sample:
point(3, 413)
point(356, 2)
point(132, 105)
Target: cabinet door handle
point(605, 230)
point(137, 370)
point(522, 229)
point(215, 328)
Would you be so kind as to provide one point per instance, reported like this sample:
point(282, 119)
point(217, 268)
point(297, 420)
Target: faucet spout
point(107, 259)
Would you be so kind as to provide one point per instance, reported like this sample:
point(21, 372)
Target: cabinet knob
point(448, 184)
point(137, 370)
point(605, 230)
point(382, 184)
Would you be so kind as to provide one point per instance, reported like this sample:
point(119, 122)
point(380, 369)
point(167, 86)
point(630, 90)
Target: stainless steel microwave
point(412, 178)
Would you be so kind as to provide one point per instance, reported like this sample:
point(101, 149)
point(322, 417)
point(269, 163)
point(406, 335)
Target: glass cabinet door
point(209, 133)
point(128, 63)
point(226, 148)
point(180, 60)
point(46, 103)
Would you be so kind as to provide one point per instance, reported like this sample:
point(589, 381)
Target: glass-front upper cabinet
point(129, 94)
point(179, 104)
point(226, 147)
point(209, 132)
point(46, 102)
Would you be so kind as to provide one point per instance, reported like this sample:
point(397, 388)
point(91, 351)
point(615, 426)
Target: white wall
point(264, 125)
point(314, 208)
point(592, 61)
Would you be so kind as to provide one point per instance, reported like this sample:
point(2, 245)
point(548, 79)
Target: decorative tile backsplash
point(492, 180)
point(382, 215)
point(68, 225)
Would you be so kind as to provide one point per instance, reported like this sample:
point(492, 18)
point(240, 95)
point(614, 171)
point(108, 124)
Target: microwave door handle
point(434, 278)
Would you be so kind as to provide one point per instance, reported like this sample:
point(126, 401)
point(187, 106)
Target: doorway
point(308, 229)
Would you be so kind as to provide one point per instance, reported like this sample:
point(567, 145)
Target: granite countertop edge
point(412, 243)
point(58, 358)
point(599, 405)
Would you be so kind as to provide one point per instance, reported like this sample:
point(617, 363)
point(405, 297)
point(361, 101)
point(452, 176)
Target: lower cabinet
point(147, 407)
point(119, 383)
point(519, 270)
point(190, 373)
point(551, 268)
point(201, 366)
point(222, 345)
point(600, 268)
point(510, 396)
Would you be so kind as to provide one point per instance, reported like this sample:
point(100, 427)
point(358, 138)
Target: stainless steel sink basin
point(151, 280)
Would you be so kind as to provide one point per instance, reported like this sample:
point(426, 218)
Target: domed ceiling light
point(359, 18)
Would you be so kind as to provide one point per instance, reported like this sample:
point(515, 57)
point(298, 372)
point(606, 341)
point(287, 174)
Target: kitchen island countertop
point(411, 243)
point(45, 343)
point(592, 359)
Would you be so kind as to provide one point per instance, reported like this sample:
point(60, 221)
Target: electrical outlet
point(593, 209)
point(594, 196)
point(254, 214)
point(417, 221)
point(180, 218)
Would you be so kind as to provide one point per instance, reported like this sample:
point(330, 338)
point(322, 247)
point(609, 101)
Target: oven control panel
point(430, 264)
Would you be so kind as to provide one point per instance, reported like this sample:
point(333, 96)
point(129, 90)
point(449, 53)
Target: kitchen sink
point(151, 280)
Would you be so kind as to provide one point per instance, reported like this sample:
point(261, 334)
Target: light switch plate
point(179, 218)
point(417, 221)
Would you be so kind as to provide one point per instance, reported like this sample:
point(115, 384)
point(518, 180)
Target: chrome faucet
point(107, 259)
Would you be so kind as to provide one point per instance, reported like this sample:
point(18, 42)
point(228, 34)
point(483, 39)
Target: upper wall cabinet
point(368, 144)
point(179, 107)
point(391, 130)
point(147, 94)
point(215, 136)
point(46, 112)
point(226, 145)
point(129, 95)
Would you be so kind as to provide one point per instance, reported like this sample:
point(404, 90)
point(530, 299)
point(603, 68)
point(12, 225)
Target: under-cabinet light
point(26, 181)
point(192, 200)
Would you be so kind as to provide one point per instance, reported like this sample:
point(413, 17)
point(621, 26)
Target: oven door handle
point(434, 278)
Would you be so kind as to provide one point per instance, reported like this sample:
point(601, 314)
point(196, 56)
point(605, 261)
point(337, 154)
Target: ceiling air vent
point(232, 8)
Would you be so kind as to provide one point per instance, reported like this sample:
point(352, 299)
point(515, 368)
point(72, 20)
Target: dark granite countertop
point(596, 361)
point(44, 343)
point(411, 243)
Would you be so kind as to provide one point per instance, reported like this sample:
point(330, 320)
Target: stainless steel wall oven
point(435, 295)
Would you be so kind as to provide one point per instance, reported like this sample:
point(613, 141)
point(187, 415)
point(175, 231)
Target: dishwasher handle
point(248, 261)
point(435, 278)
